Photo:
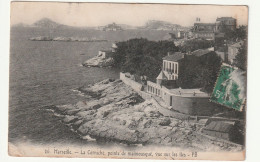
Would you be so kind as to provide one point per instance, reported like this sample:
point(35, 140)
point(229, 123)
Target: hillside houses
point(233, 50)
point(209, 31)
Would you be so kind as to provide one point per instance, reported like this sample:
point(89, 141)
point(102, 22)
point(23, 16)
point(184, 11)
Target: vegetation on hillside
point(199, 72)
point(142, 57)
point(238, 34)
point(231, 36)
point(241, 57)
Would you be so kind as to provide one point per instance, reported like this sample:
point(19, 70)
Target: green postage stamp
point(230, 88)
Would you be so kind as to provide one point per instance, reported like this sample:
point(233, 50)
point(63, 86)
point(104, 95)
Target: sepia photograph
point(128, 80)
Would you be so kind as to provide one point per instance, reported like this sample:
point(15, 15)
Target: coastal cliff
point(115, 112)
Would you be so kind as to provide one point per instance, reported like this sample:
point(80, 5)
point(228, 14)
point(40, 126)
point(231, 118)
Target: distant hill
point(125, 26)
point(150, 25)
point(20, 25)
point(110, 27)
point(47, 23)
point(116, 27)
point(161, 25)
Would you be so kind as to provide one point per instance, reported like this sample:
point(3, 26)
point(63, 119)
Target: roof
point(188, 92)
point(174, 57)
point(200, 52)
point(161, 76)
point(205, 24)
point(225, 18)
point(204, 31)
point(220, 126)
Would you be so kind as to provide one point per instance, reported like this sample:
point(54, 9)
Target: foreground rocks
point(116, 112)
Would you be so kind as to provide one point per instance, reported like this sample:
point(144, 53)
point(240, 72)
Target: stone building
point(226, 130)
point(225, 22)
point(204, 26)
point(212, 30)
point(170, 69)
point(105, 53)
point(208, 35)
point(233, 50)
point(188, 101)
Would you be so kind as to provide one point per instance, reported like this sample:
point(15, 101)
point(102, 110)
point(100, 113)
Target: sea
point(45, 73)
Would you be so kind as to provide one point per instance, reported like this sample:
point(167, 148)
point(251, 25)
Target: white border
point(253, 105)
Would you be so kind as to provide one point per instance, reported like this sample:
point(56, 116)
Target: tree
point(241, 57)
point(235, 35)
point(141, 56)
point(199, 72)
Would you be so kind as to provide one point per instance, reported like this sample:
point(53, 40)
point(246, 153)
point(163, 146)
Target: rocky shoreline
point(115, 112)
point(98, 61)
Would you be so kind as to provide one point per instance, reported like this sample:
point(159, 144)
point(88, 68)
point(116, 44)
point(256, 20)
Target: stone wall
point(187, 105)
point(193, 105)
point(135, 85)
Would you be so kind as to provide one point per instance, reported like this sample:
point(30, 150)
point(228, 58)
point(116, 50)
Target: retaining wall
point(133, 84)
point(188, 105)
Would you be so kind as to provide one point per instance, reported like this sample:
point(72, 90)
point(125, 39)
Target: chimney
point(168, 53)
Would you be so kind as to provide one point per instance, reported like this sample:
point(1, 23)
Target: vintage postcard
point(128, 81)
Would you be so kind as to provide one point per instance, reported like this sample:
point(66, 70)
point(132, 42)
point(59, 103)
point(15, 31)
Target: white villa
point(170, 68)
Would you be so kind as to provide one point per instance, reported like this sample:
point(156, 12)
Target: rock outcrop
point(99, 61)
point(116, 112)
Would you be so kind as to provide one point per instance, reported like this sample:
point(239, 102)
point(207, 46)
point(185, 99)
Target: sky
point(99, 14)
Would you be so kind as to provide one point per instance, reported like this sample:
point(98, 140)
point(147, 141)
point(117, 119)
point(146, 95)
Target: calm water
point(44, 73)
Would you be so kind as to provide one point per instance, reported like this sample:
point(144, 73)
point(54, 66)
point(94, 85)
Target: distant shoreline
point(66, 39)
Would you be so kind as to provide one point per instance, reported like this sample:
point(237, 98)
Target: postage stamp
point(230, 89)
point(127, 81)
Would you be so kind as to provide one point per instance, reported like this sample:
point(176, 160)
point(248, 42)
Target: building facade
point(170, 69)
point(210, 30)
point(225, 22)
point(232, 51)
point(105, 54)
point(188, 101)
point(226, 130)
point(208, 35)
